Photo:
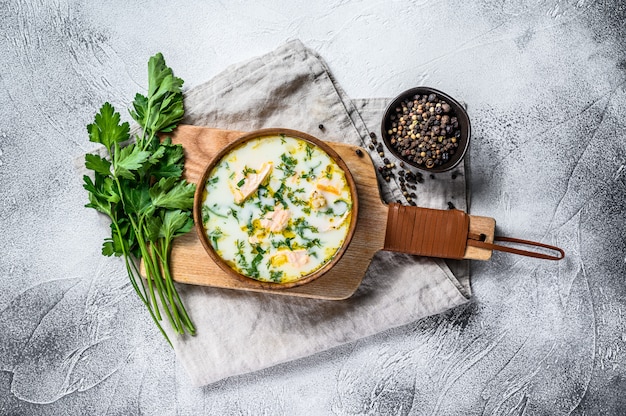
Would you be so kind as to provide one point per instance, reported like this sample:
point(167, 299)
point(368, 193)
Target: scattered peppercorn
point(389, 170)
point(451, 205)
point(321, 127)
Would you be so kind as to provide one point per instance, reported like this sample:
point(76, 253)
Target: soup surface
point(276, 208)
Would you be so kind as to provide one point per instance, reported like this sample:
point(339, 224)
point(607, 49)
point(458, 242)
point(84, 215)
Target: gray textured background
point(545, 86)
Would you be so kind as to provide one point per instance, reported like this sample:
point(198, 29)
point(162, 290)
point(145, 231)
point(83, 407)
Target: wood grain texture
point(481, 225)
point(191, 264)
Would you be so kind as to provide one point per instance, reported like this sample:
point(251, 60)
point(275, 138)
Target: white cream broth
point(288, 226)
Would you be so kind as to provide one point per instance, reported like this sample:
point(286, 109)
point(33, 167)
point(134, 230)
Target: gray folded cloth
point(240, 332)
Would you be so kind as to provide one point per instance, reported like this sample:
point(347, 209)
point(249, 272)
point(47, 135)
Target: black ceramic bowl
point(456, 110)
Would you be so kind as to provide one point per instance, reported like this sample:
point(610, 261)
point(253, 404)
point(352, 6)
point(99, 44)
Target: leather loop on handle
point(474, 241)
point(426, 232)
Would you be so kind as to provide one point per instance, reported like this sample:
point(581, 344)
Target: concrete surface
point(545, 87)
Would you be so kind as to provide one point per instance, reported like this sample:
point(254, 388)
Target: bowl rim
point(199, 199)
point(459, 111)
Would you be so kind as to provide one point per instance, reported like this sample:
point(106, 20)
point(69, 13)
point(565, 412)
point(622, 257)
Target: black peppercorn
point(423, 130)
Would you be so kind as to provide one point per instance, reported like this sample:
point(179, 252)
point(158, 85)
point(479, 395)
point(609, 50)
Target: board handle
point(446, 234)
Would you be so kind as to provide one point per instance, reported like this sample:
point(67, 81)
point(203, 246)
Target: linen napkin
point(240, 332)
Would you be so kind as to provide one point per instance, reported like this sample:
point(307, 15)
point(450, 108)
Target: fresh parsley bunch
point(139, 186)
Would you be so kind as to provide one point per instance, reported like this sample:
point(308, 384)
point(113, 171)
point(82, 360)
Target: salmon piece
point(276, 221)
point(251, 183)
point(296, 258)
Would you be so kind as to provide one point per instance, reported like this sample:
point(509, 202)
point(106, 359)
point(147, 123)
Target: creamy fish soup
point(276, 208)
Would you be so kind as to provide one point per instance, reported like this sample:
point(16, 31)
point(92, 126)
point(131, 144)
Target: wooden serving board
point(191, 264)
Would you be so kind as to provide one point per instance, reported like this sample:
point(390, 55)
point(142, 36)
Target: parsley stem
point(147, 263)
point(153, 274)
point(174, 317)
point(149, 274)
point(170, 282)
point(137, 273)
point(131, 276)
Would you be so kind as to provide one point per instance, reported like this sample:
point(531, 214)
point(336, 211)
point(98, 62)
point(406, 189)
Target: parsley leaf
point(128, 159)
point(97, 164)
point(163, 108)
point(169, 193)
point(175, 223)
point(106, 128)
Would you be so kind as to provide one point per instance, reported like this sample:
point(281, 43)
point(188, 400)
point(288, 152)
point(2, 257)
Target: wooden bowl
point(456, 108)
point(199, 197)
